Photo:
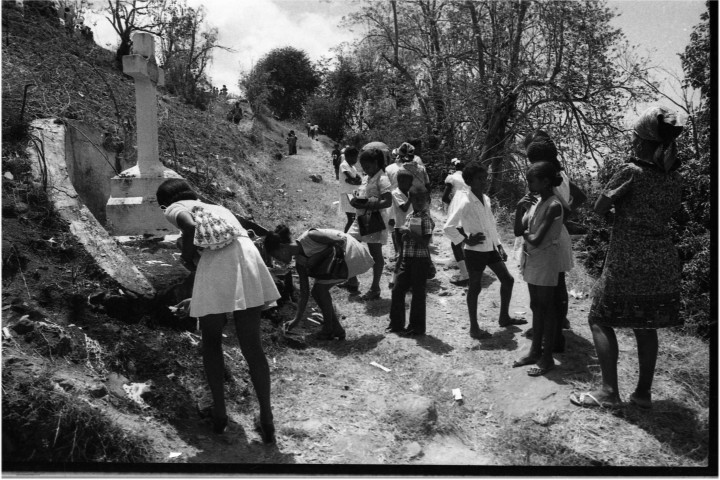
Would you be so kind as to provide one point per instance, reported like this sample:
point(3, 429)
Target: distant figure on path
point(232, 279)
point(291, 141)
point(315, 132)
point(308, 127)
point(335, 155)
point(235, 114)
point(639, 287)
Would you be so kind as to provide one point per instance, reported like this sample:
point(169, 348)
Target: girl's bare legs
point(606, 347)
point(506, 288)
point(247, 327)
point(350, 220)
point(331, 325)
point(474, 288)
point(647, 345)
point(213, 361)
point(376, 252)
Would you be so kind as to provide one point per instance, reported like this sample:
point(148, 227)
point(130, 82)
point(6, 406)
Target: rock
point(414, 412)
point(316, 178)
point(98, 390)
point(115, 384)
point(8, 175)
point(413, 450)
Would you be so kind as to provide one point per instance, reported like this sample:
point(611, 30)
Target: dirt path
point(332, 406)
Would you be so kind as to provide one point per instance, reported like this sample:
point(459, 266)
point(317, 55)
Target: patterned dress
point(640, 283)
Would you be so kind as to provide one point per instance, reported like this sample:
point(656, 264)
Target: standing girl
point(373, 195)
point(541, 262)
point(349, 182)
point(232, 279)
point(455, 186)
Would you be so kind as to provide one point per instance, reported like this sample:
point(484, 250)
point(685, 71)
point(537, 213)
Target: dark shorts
point(477, 261)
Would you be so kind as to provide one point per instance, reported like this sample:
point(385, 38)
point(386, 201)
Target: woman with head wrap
point(639, 287)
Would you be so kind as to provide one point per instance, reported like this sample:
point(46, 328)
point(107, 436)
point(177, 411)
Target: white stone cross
point(142, 67)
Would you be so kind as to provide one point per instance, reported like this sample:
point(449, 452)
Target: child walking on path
point(542, 261)
point(413, 267)
point(471, 221)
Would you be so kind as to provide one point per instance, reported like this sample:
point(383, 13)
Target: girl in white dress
point(232, 279)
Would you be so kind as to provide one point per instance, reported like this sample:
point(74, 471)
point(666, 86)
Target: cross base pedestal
point(133, 209)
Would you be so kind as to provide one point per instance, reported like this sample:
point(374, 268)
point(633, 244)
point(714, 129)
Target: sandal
point(513, 321)
point(266, 430)
point(594, 402)
point(370, 295)
point(539, 371)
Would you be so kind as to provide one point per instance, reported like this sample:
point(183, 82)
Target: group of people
point(638, 289)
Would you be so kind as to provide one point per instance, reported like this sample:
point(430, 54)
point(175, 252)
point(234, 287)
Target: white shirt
point(344, 186)
point(399, 198)
point(458, 184)
point(391, 172)
point(468, 212)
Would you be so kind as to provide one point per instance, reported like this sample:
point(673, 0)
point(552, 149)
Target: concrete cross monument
point(132, 208)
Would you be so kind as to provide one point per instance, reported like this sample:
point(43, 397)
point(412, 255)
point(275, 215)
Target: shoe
point(266, 431)
point(539, 371)
point(394, 330)
point(460, 282)
point(579, 400)
point(513, 321)
point(370, 295)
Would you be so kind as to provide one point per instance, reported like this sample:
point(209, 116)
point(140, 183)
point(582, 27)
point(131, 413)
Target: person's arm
point(552, 213)
point(384, 201)
point(304, 295)
point(523, 206)
point(446, 193)
point(186, 224)
point(618, 186)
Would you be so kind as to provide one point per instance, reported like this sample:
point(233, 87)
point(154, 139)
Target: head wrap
point(406, 149)
point(660, 126)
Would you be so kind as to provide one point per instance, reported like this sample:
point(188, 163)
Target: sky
point(252, 28)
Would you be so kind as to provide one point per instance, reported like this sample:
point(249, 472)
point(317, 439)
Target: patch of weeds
point(45, 424)
point(529, 442)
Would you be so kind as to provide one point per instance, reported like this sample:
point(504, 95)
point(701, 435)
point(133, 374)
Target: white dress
point(231, 278)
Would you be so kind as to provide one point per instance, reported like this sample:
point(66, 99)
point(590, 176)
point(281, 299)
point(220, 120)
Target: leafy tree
point(130, 16)
point(291, 80)
point(485, 73)
point(187, 45)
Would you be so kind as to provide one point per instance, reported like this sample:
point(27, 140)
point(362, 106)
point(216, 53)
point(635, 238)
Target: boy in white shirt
point(471, 221)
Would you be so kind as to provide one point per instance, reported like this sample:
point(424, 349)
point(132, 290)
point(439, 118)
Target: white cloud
point(252, 28)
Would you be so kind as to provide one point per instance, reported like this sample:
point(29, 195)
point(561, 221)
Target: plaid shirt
point(411, 248)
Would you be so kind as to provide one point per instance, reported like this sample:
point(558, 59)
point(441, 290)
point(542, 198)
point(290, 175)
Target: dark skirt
point(640, 283)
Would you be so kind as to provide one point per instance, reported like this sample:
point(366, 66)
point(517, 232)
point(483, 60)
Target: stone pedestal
point(132, 208)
